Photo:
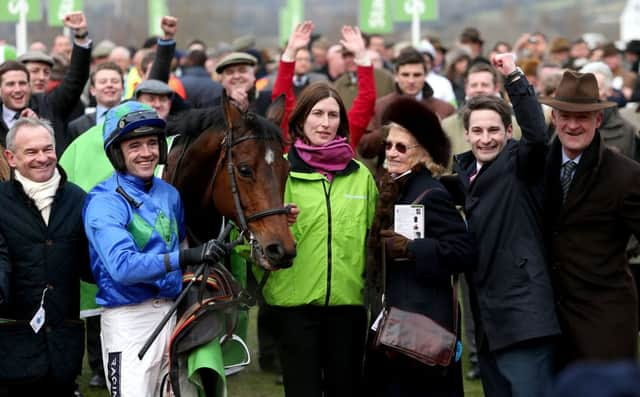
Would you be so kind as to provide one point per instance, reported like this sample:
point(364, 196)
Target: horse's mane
point(194, 122)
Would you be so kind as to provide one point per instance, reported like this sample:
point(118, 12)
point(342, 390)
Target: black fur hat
point(423, 124)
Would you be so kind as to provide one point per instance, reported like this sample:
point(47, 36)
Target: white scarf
point(42, 193)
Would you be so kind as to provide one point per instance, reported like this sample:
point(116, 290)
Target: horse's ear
point(232, 115)
point(275, 112)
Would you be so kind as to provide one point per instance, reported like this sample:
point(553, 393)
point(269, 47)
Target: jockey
point(135, 225)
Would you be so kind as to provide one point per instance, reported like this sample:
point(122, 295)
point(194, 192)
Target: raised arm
point(161, 67)
point(62, 99)
point(364, 103)
point(533, 144)
point(299, 38)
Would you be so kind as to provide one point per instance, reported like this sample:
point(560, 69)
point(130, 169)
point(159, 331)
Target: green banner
point(403, 12)
point(59, 8)
point(157, 10)
point(284, 25)
point(10, 10)
point(296, 8)
point(375, 16)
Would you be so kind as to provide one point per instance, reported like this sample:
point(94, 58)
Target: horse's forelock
point(264, 128)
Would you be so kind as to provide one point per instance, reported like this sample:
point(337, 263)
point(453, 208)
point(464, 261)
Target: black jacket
point(58, 105)
point(201, 90)
point(511, 291)
point(80, 125)
point(34, 255)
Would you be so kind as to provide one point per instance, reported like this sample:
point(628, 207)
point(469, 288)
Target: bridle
point(227, 144)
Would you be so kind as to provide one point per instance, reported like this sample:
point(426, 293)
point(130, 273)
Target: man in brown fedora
point(592, 205)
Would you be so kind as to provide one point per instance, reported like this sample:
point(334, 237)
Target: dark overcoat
point(511, 293)
point(35, 256)
point(423, 284)
point(596, 299)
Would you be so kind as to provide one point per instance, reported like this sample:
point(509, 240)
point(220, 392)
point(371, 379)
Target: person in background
point(201, 90)
point(410, 76)
point(57, 105)
point(481, 79)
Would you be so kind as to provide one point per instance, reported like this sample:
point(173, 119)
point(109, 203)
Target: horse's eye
point(245, 170)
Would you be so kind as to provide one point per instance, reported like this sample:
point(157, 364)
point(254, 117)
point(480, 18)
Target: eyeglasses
point(400, 147)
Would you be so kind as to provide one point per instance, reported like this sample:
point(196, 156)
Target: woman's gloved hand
point(396, 244)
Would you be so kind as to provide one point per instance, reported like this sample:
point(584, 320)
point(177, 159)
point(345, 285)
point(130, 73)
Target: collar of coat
point(427, 91)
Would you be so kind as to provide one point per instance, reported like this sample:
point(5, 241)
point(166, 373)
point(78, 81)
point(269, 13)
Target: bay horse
point(234, 169)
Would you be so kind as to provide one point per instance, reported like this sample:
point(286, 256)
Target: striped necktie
point(566, 174)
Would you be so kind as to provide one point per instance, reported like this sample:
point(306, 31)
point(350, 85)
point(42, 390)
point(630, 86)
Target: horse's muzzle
point(278, 256)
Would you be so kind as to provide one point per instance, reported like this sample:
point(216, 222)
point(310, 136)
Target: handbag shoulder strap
point(423, 194)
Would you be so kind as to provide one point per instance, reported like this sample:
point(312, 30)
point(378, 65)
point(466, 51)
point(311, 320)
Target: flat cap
point(103, 49)
point(244, 43)
point(156, 87)
point(236, 58)
point(35, 56)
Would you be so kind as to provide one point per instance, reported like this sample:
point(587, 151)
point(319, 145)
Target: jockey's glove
point(211, 251)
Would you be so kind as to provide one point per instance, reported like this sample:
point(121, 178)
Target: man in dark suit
point(106, 85)
point(592, 205)
point(510, 291)
point(19, 101)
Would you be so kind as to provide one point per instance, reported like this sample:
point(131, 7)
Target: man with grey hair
point(617, 133)
point(43, 255)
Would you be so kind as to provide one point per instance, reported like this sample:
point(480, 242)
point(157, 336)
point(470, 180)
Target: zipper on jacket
point(327, 195)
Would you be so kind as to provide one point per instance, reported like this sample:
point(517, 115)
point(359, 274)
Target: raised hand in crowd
point(77, 23)
point(27, 112)
point(352, 40)
point(169, 26)
point(504, 63)
point(299, 38)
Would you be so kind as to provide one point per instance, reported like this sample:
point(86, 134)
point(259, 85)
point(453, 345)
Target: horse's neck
point(200, 230)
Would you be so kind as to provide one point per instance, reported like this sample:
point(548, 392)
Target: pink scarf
point(326, 159)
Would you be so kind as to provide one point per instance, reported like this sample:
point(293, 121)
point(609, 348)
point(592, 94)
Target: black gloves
point(211, 251)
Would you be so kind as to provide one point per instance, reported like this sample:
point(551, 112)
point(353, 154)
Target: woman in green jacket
point(318, 302)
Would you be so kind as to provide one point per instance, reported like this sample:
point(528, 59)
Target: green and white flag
point(375, 16)
point(157, 10)
point(10, 10)
point(428, 10)
point(59, 8)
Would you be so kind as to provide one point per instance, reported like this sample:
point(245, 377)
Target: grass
point(252, 382)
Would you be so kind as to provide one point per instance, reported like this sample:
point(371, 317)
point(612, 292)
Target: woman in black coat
point(418, 271)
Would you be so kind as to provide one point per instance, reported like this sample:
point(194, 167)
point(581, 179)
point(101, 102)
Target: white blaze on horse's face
point(269, 156)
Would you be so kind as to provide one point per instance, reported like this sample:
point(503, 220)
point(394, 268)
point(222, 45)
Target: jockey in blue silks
point(135, 226)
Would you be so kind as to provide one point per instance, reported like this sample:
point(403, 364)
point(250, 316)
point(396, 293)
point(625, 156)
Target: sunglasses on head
point(400, 147)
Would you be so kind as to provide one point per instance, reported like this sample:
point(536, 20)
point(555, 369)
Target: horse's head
point(240, 170)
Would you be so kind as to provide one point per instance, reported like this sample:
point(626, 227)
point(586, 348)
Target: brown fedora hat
point(577, 92)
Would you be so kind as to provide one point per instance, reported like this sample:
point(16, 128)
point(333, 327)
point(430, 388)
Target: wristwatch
point(511, 76)
point(81, 36)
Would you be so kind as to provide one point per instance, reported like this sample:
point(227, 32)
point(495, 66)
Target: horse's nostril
point(274, 251)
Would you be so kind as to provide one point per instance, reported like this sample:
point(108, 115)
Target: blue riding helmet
point(127, 121)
